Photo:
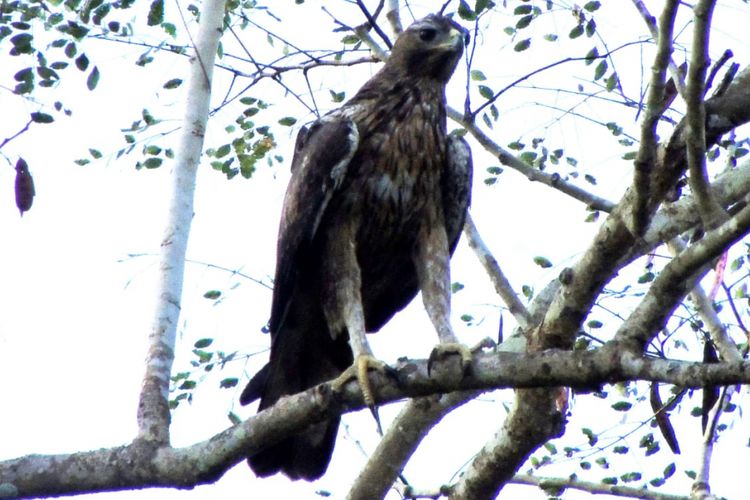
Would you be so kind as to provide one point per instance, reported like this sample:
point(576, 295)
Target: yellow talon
point(358, 370)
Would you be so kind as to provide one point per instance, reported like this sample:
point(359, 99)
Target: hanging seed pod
point(24, 186)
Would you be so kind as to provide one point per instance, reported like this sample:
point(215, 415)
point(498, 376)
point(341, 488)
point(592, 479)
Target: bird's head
point(430, 48)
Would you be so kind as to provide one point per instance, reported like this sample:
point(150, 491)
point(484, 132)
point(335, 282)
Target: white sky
point(78, 310)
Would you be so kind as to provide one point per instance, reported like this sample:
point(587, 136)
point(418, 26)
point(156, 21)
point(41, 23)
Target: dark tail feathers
point(299, 360)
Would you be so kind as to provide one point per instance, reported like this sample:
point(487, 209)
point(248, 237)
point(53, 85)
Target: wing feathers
point(321, 158)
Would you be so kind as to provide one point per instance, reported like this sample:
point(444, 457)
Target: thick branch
point(711, 212)
point(718, 333)
point(678, 277)
point(140, 465)
point(408, 430)
point(646, 158)
point(153, 407)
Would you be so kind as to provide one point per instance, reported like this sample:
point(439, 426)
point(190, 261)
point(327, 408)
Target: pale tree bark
point(141, 463)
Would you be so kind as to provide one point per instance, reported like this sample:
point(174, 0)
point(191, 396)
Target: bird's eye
point(427, 34)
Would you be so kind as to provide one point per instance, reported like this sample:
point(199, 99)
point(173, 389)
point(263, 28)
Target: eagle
point(372, 214)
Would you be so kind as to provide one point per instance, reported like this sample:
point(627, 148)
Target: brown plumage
point(374, 209)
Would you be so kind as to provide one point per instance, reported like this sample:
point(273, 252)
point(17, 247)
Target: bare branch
point(552, 180)
point(701, 489)
point(646, 158)
point(409, 428)
point(678, 277)
point(650, 20)
point(711, 212)
point(501, 283)
point(153, 407)
point(721, 339)
point(561, 484)
point(393, 15)
point(533, 420)
point(372, 21)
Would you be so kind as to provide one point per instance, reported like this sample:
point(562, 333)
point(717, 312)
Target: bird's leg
point(432, 261)
point(344, 311)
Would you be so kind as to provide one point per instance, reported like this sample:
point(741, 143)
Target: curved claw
point(442, 350)
point(358, 370)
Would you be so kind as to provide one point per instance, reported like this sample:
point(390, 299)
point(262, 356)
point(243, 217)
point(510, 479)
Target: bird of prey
point(372, 214)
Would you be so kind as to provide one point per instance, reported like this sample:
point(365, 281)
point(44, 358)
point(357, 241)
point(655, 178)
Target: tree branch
point(712, 214)
point(646, 158)
point(506, 158)
point(562, 484)
point(153, 407)
point(144, 464)
point(674, 71)
point(721, 339)
point(501, 283)
point(677, 278)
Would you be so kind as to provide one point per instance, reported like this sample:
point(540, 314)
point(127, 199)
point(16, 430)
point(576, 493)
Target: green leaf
point(152, 163)
point(522, 45)
point(203, 343)
point(456, 287)
point(594, 324)
point(212, 294)
point(622, 406)
point(524, 22)
point(592, 6)
point(550, 37)
point(465, 12)
point(576, 32)
point(188, 385)
point(22, 43)
point(39, 117)
point(228, 383)
point(522, 10)
point(601, 68)
point(669, 470)
point(234, 419)
point(95, 153)
point(477, 75)
point(93, 80)
point(337, 96)
point(542, 262)
point(528, 157)
point(70, 50)
point(156, 13)
point(223, 151)
point(288, 121)
point(82, 62)
point(592, 55)
point(486, 92)
point(590, 28)
point(173, 83)
point(630, 477)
